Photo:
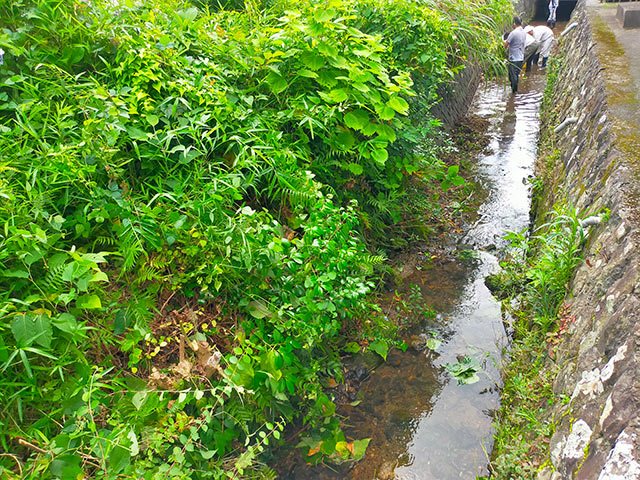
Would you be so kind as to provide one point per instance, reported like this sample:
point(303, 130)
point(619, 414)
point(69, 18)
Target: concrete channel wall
point(597, 364)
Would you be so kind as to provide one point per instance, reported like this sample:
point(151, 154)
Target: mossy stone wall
point(597, 390)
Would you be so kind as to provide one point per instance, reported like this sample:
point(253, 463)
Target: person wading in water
point(515, 42)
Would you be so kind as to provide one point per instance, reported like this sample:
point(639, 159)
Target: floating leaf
point(465, 371)
point(433, 343)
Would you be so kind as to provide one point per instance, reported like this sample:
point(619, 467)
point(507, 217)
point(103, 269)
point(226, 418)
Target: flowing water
point(422, 424)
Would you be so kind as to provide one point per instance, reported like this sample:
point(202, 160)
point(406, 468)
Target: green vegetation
point(190, 202)
point(538, 275)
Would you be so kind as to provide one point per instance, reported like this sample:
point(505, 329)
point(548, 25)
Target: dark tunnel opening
point(565, 7)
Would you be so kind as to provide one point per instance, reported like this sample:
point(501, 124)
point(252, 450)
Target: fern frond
point(53, 279)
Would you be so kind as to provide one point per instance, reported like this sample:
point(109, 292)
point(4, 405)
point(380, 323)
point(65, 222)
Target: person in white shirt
point(544, 35)
point(531, 46)
point(514, 42)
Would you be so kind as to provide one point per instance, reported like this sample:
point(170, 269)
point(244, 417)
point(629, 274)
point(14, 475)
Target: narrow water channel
point(422, 424)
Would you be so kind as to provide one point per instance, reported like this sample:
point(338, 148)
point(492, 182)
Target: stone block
point(629, 15)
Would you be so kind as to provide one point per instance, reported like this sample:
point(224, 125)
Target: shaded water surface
point(421, 423)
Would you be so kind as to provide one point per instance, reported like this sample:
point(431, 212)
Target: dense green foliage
point(183, 199)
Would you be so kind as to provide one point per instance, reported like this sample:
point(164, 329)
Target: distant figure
point(553, 6)
point(531, 47)
point(514, 42)
point(544, 36)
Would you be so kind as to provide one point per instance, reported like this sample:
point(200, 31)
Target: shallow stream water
point(422, 424)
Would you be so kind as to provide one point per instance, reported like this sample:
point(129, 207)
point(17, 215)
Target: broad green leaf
point(152, 120)
point(120, 322)
point(73, 54)
point(356, 119)
point(386, 132)
point(338, 95)
point(189, 15)
point(258, 309)
point(380, 347)
point(344, 140)
point(15, 273)
point(66, 322)
point(119, 458)
point(95, 257)
point(355, 168)
point(303, 72)
point(385, 112)
point(339, 62)
point(312, 60)
point(380, 155)
point(66, 467)
point(137, 134)
point(88, 302)
point(324, 15)
point(327, 78)
point(352, 347)
point(360, 76)
point(360, 448)
point(207, 454)
point(399, 104)
point(327, 49)
point(30, 328)
point(99, 276)
point(276, 82)
point(370, 129)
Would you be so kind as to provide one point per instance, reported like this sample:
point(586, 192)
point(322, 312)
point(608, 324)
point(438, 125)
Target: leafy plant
point(187, 204)
point(465, 371)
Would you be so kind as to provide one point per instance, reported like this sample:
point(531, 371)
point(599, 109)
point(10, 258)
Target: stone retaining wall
point(457, 97)
point(597, 387)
